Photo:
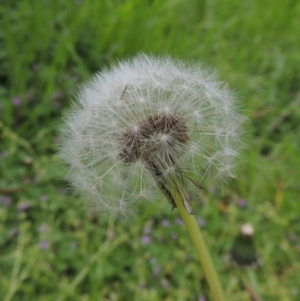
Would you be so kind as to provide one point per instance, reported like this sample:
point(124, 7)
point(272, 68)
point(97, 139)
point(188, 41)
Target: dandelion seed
point(146, 127)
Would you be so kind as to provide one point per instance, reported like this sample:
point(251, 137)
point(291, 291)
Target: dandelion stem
point(201, 249)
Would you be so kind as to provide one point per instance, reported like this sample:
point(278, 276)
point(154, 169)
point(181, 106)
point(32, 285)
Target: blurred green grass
point(52, 247)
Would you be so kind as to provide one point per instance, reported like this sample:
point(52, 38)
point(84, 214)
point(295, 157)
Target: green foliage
point(53, 248)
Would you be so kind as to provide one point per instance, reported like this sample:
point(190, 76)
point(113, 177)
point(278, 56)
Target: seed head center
point(142, 140)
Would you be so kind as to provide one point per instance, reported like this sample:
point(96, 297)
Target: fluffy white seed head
point(145, 120)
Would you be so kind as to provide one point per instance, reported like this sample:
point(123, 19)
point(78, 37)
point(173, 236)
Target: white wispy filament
point(149, 126)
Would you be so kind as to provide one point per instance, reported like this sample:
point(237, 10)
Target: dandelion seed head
point(145, 121)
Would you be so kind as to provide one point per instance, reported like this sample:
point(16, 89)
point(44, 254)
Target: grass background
point(51, 247)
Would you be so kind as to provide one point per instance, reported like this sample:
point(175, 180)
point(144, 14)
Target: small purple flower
point(242, 203)
point(24, 206)
point(157, 270)
point(62, 191)
point(179, 221)
point(35, 67)
point(43, 198)
point(42, 228)
point(16, 101)
point(14, 232)
point(292, 237)
point(74, 244)
point(76, 77)
point(3, 154)
point(44, 245)
point(201, 222)
point(57, 104)
point(146, 239)
point(56, 95)
point(161, 239)
point(165, 223)
point(202, 298)
point(147, 230)
point(6, 200)
point(165, 283)
point(29, 95)
point(153, 260)
point(174, 235)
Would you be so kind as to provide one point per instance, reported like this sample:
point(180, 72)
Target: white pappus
point(146, 127)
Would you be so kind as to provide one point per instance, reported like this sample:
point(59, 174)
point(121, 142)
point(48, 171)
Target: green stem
point(250, 283)
point(201, 249)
